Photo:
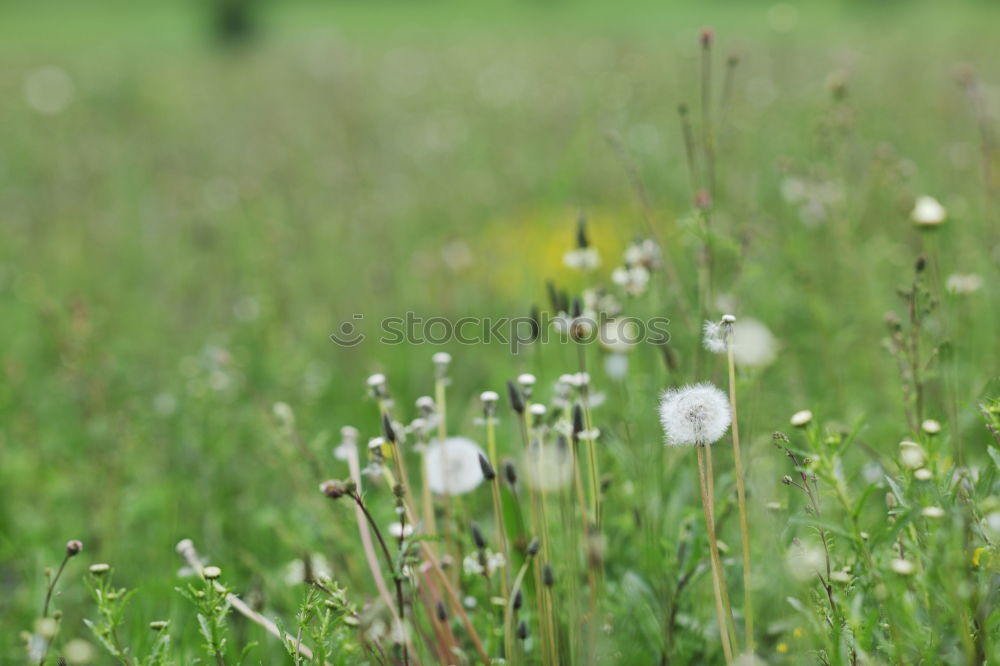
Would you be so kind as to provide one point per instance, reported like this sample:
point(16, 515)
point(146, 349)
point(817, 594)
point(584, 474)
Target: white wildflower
point(931, 427)
point(801, 418)
point(348, 443)
point(714, 338)
point(958, 283)
point(902, 567)
point(911, 455)
point(472, 566)
point(633, 279)
point(645, 253)
point(582, 259)
point(400, 531)
point(923, 474)
point(453, 467)
point(697, 414)
point(932, 512)
point(928, 212)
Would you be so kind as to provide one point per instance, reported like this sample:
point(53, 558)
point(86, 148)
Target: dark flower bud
point(334, 489)
point(518, 600)
point(921, 264)
point(516, 400)
point(576, 310)
point(581, 232)
point(522, 630)
point(509, 472)
point(477, 536)
point(578, 424)
point(390, 432)
point(441, 610)
point(488, 472)
point(548, 576)
point(73, 547)
point(533, 547)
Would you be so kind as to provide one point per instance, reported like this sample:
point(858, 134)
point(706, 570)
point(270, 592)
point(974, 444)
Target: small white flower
point(376, 380)
point(526, 379)
point(932, 512)
point(453, 467)
point(284, 415)
point(398, 530)
point(473, 567)
point(489, 397)
point(211, 573)
point(537, 409)
point(963, 284)
point(582, 259)
point(923, 474)
point(804, 562)
point(633, 280)
point(902, 567)
point(801, 418)
point(928, 212)
point(931, 427)
point(441, 358)
point(697, 414)
point(911, 455)
point(645, 253)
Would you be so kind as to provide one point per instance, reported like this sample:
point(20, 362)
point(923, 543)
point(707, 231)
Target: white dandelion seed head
point(489, 397)
point(349, 443)
point(548, 467)
point(963, 284)
point(928, 212)
point(376, 381)
point(619, 336)
point(526, 379)
point(713, 337)
point(453, 467)
point(441, 358)
point(616, 365)
point(697, 414)
point(537, 409)
point(753, 344)
point(425, 403)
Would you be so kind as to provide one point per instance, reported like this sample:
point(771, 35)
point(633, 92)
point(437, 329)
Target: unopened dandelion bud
point(890, 501)
point(73, 547)
point(533, 547)
point(477, 536)
point(518, 600)
point(707, 35)
point(787, 480)
point(441, 610)
point(398, 491)
point(158, 625)
point(387, 429)
point(516, 399)
point(333, 488)
point(488, 472)
point(578, 422)
point(99, 569)
point(548, 576)
point(211, 573)
point(509, 472)
point(522, 630)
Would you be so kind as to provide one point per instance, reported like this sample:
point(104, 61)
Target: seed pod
point(533, 547)
point(548, 576)
point(477, 536)
point(522, 630)
point(488, 472)
point(442, 611)
point(509, 472)
point(518, 600)
point(390, 432)
point(578, 424)
point(516, 400)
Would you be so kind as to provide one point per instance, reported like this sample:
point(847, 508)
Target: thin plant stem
point(716, 583)
point(742, 499)
point(726, 603)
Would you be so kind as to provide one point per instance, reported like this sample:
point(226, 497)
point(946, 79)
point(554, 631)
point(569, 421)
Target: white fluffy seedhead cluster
point(453, 467)
point(697, 414)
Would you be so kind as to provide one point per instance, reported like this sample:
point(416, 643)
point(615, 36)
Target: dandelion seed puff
point(582, 259)
point(619, 336)
point(616, 365)
point(349, 443)
point(803, 563)
point(963, 284)
point(697, 414)
point(547, 468)
point(753, 344)
point(453, 467)
point(928, 212)
point(713, 338)
point(902, 567)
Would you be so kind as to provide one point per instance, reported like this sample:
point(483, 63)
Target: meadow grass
point(181, 239)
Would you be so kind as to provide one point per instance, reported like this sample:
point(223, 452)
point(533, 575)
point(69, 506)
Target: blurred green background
point(184, 219)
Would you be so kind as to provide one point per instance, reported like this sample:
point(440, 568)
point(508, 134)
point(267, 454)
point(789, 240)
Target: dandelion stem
point(716, 574)
point(726, 603)
point(497, 507)
point(742, 498)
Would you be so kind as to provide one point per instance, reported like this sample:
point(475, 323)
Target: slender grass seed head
point(453, 466)
point(487, 469)
point(695, 414)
